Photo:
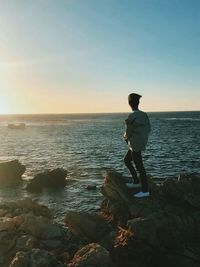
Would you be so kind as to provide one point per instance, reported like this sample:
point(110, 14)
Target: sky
point(86, 56)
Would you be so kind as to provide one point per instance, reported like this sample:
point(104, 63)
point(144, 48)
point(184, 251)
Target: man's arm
point(129, 128)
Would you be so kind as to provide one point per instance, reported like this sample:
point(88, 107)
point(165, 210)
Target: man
point(136, 135)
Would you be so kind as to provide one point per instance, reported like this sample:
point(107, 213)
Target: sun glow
point(4, 107)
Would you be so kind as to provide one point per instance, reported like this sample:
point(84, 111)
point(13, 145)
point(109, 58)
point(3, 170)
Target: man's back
point(137, 130)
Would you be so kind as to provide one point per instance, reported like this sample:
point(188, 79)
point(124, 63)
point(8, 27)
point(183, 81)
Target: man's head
point(134, 100)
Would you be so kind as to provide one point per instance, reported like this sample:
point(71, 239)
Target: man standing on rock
point(136, 135)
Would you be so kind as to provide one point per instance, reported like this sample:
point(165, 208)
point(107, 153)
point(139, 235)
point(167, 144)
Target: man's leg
point(137, 158)
point(128, 162)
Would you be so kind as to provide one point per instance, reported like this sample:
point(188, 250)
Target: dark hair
point(133, 100)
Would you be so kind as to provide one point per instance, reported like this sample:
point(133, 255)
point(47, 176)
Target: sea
point(87, 146)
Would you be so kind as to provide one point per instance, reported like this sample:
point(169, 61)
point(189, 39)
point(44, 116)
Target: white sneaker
point(142, 194)
point(132, 185)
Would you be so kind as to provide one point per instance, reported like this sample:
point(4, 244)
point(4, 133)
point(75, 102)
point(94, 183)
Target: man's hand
point(125, 139)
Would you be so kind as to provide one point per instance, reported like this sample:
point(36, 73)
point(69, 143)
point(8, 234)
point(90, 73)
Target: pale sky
point(80, 56)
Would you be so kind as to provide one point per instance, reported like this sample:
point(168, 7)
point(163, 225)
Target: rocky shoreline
point(160, 231)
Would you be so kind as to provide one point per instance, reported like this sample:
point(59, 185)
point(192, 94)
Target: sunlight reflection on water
point(88, 145)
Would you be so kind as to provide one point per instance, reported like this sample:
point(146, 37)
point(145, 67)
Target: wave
point(182, 119)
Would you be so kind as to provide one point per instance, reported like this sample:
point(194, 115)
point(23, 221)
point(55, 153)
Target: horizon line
point(88, 113)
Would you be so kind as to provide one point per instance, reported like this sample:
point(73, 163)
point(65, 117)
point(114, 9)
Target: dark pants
point(136, 157)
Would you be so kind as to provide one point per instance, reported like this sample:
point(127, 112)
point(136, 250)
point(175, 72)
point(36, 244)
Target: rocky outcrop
point(161, 230)
point(49, 179)
point(89, 227)
point(11, 173)
point(114, 188)
point(24, 206)
point(91, 255)
point(30, 237)
point(35, 258)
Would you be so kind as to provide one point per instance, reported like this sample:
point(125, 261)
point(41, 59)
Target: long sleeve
point(129, 127)
point(137, 128)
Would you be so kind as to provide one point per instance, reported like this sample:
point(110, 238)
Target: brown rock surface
point(11, 173)
point(91, 255)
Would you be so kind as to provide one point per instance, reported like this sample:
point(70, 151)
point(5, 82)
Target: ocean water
point(89, 144)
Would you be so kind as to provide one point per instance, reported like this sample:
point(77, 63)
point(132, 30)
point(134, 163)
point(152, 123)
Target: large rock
point(118, 198)
point(26, 225)
point(89, 227)
point(41, 227)
point(184, 191)
point(157, 231)
point(11, 172)
point(130, 251)
point(114, 188)
point(91, 255)
point(149, 243)
point(35, 258)
point(24, 206)
point(49, 179)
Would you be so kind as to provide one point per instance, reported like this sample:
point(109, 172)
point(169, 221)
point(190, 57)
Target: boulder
point(119, 199)
point(26, 242)
point(23, 206)
point(89, 227)
point(156, 229)
point(114, 188)
point(41, 227)
point(20, 260)
point(183, 191)
point(49, 179)
point(91, 255)
point(8, 240)
point(130, 251)
point(35, 258)
point(24, 228)
point(11, 172)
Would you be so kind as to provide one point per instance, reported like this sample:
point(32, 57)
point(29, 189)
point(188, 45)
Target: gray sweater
point(137, 130)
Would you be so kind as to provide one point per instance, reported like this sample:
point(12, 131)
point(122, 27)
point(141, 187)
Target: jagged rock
point(40, 258)
point(11, 172)
point(26, 242)
point(114, 188)
point(20, 260)
point(29, 230)
point(117, 213)
point(183, 191)
point(158, 231)
point(41, 227)
point(23, 206)
point(129, 251)
point(48, 179)
point(89, 227)
point(52, 244)
point(35, 258)
point(7, 245)
point(160, 227)
point(184, 260)
point(91, 255)
point(7, 224)
point(119, 199)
